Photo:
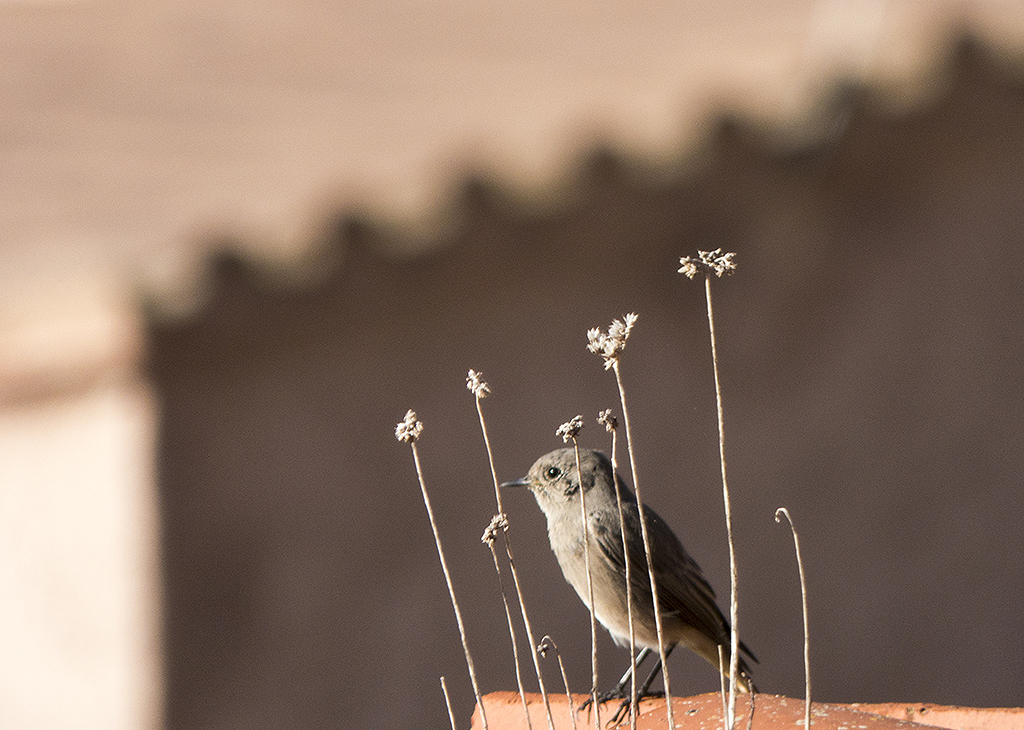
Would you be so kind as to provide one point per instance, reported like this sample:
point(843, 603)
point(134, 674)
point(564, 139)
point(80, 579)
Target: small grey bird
point(689, 613)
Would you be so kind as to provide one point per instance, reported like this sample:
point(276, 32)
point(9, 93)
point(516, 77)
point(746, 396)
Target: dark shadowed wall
point(871, 352)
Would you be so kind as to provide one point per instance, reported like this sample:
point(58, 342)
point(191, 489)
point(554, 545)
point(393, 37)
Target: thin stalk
point(546, 643)
point(807, 634)
point(590, 588)
point(448, 580)
point(733, 602)
point(512, 633)
point(647, 546)
point(515, 573)
point(629, 583)
point(448, 703)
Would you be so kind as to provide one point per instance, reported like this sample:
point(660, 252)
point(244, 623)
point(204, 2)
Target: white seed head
point(498, 522)
point(475, 383)
point(570, 429)
point(710, 262)
point(409, 430)
point(609, 345)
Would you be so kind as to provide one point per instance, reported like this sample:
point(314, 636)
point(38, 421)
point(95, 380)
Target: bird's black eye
point(553, 472)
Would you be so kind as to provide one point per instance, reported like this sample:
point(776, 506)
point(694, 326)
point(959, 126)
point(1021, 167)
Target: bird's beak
point(524, 482)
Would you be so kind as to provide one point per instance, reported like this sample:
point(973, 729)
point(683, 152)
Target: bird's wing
point(682, 589)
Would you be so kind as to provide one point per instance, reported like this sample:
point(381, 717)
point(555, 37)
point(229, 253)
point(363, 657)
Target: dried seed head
point(498, 522)
point(476, 384)
point(608, 420)
point(710, 262)
point(409, 430)
point(609, 345)
point(570, 429)
point(546, 644)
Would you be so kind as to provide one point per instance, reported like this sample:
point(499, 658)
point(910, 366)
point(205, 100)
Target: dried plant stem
point(448, 580)
point(545, 643)
point(733, 601)
point(807, 635)
point(721, 676)
point(629, 581)
point(590, 588)
point(647, 548)
point(515, 578)
point(512, 633)
point(448, 703)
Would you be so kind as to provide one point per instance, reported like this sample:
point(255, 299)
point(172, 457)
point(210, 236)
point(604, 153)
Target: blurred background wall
point(238, 243)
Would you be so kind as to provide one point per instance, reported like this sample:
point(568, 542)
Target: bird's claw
point(616, 694)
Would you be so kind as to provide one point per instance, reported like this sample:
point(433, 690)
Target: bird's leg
point(641, 691)
point(619, 691)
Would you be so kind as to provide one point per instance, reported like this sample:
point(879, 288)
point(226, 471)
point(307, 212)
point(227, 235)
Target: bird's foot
point(623, 712)
point(618, 693)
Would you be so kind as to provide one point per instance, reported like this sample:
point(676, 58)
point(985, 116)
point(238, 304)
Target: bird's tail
point(744, 683)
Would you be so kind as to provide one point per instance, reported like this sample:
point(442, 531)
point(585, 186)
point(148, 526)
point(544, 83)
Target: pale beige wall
point(78, 529)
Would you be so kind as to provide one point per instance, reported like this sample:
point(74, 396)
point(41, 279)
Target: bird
point(690, 616)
